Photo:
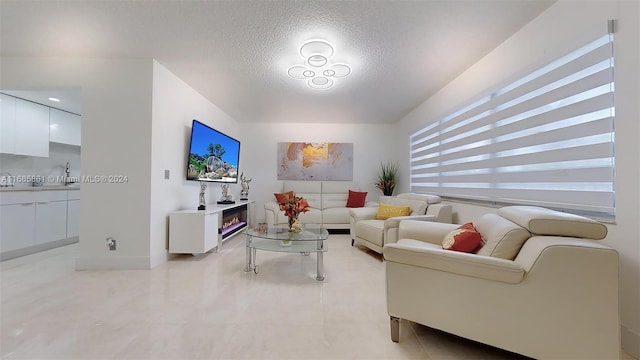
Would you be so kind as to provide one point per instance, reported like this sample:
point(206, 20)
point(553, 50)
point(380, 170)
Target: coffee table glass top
point(304, 241)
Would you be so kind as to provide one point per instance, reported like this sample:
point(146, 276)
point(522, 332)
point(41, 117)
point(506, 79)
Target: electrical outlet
point(111, 243)
point(166, 174)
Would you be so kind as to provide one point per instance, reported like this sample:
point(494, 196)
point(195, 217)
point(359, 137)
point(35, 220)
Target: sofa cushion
point(501, 238)
point(334, 200)
point(314, 216)
point(335, 215)
point(386, 211)
point(542, 221)
point(356, 199)
point(281, 197)
point(310, 190)
point(335, 193)
point(372, 230)
point(418, 207)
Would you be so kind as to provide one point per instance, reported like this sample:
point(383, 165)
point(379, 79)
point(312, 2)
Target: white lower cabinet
point(32, 219)
point(17, 223)
point(51, 221)
point(73, 213)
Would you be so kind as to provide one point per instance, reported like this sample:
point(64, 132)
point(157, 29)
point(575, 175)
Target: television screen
point(213, 156)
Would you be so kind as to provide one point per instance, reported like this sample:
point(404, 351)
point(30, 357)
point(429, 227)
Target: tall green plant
point(387, 178)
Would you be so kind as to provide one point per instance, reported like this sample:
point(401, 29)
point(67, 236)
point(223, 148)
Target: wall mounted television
point(213, 156)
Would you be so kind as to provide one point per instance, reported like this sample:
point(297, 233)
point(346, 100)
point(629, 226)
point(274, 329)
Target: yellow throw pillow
point(386, 211)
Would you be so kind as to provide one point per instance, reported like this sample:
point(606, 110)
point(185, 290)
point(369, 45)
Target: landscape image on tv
point(213, 156)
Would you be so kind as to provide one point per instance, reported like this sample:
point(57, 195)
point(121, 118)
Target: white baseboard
point(113, 263)
point(12, 254)
point(630, 342)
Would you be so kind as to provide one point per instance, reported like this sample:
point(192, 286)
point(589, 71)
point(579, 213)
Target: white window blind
point(546, 139)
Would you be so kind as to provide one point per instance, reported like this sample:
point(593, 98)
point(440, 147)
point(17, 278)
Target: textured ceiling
point(235, 53)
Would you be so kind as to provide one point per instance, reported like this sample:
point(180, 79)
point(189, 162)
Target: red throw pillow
point(281, 197)
point(463, 240)
point(467, 226)
point(356, 199)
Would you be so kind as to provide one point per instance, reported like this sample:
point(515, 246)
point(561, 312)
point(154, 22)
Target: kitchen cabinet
point(32, 129)
point(17, 226)
point(51, 216)
point(24, 126)
point(7, 124)
point(73, 213)
point(36, 220)
point(64, 127)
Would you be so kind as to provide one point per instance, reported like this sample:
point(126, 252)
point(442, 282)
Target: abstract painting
point(315, 161)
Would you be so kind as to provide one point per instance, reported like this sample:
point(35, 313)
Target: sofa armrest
point(424, 255)
point(391, 225)
point(427, 231)
point(271, 210)
point(536, 247)
point(442, 212)
point(362, 213)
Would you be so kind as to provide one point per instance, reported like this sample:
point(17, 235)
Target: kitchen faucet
point(67, 171)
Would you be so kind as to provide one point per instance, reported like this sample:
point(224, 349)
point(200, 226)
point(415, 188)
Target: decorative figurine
point(244, 193)
point(203, 203)
point(226, 198)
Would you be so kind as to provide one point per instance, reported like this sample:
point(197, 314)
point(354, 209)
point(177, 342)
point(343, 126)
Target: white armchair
point(366, 230)
point(540, 286)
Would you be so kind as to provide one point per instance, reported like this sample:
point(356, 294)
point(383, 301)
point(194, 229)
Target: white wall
point(116, 140)
point(567, 25)
point(175, 105)
point(258, 158)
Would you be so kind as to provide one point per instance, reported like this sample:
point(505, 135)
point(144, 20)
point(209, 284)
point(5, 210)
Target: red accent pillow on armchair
point(465, 239)
point(356, 199)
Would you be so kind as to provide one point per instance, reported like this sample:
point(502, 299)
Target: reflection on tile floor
point(207, 307)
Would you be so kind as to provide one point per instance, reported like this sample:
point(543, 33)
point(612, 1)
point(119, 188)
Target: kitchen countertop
point(40, 188)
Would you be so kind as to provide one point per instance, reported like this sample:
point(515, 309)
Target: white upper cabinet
point(31, 129)
point(7, 124)
point(64, 127)
point(24, 127)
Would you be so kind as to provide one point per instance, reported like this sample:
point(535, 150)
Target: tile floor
point(207, 307)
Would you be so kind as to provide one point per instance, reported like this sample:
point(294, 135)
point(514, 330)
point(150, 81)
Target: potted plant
point(387, 178)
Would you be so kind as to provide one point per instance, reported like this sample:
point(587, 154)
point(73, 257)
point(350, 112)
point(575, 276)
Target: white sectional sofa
point(327, 199)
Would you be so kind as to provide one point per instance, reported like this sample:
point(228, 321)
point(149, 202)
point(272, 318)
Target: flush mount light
point(318, 70)
point(54, 99)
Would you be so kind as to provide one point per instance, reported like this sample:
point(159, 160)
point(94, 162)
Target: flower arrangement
point(387, 178)
point(292, 207)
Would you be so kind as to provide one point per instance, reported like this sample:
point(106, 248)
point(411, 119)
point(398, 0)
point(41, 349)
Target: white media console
point(199, 231)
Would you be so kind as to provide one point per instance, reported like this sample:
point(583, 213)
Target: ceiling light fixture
point(318, 70)
point(54, 99)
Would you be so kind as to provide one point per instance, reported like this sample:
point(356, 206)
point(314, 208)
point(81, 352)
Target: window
point(546, 139)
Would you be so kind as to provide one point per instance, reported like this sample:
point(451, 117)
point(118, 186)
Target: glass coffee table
point(310, 239)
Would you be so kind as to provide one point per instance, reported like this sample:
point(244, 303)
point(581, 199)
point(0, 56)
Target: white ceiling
point(236, 53)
